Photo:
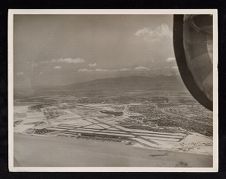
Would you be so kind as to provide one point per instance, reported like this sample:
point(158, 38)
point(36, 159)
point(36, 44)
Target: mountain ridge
point(160, 82)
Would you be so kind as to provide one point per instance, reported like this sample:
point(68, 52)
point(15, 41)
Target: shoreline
point(48, 151)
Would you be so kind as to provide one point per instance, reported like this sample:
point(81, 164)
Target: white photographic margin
point(12, 12)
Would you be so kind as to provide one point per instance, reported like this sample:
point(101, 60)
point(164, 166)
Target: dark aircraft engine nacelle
point(193, 47)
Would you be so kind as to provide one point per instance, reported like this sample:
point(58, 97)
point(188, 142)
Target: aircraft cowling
point(193, 48)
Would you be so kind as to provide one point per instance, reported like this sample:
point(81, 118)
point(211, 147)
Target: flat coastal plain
point(138, 129)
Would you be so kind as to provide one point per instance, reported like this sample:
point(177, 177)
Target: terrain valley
point(132, 117)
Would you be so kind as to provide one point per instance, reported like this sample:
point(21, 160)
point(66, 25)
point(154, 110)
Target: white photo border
point(12, 12)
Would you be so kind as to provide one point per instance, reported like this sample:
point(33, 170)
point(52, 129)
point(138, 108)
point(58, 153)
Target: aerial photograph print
point(111, 91)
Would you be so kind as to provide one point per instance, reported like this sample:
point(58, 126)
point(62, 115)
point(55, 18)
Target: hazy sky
point(64, 49)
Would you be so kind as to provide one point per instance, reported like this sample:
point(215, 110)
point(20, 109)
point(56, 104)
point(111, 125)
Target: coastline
point(38, 151)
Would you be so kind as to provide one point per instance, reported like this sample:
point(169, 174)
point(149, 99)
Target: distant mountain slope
point(130, 83)
point(119, 84)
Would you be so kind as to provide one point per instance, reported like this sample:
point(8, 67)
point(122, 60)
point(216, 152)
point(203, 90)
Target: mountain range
point(130, 83)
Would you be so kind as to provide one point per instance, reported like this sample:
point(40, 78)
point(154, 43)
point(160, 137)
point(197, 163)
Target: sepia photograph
point(113, 90)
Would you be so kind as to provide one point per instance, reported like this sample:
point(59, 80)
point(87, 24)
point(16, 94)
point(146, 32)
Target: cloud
point(124, 69)
point(92, 64)
point(170, 59)
point(156, 34)
point(142, 32)
point(20, 73)
point(95, 70)
point(175, 67)
point(106, 69)
point(84, 70)
point(141, 68)
point(101, 70)
point(111, 70)
point(69, 60)
point(66, 60)
point(57, 67)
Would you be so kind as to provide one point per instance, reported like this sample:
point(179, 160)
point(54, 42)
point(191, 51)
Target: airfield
point(95, 122)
